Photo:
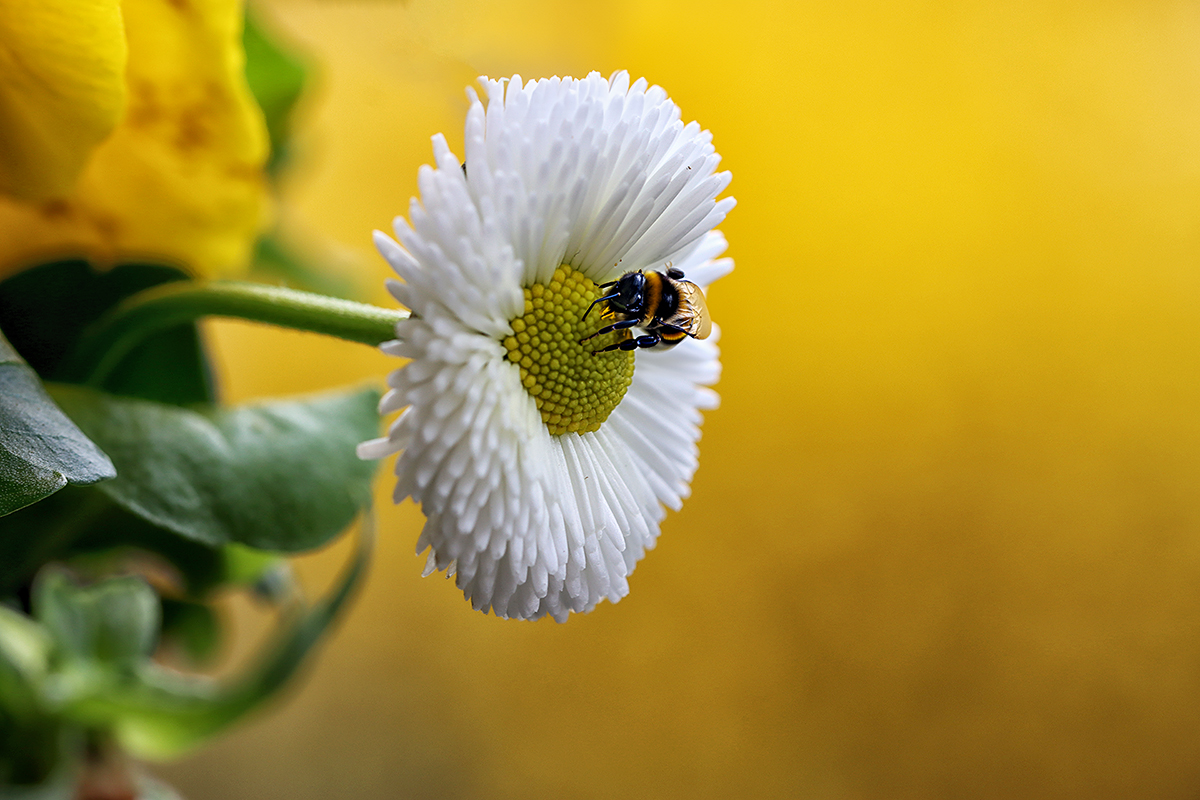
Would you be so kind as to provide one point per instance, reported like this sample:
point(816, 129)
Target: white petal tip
point(375, 449)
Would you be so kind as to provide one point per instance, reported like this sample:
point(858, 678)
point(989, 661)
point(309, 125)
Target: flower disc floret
point(574, 387)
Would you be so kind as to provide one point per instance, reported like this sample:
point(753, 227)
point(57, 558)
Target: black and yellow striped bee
point(663, 304)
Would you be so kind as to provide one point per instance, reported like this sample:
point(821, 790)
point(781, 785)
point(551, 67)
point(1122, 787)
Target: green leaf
point(247, 566)
point(267, 574)
point(193, 627)
point(116, 532)
point(165, 712)
point(82, 525)
point(280, 476)
point(114, 622)
point(47, 309)
point(31, 756)
point(24, 661)
point(41, 450)
point(45, 531)
point(31, 734)
point(277, 80)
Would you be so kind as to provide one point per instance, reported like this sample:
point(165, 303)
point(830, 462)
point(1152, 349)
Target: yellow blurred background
point(945, 537)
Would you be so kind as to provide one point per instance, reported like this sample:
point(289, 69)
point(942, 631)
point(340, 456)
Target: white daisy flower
point(542, 467)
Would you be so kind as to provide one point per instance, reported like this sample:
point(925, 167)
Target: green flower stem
point(151, 311)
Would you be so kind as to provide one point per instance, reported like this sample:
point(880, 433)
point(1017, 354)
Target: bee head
point(631, 292)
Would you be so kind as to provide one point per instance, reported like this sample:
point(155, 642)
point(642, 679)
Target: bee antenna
point(594, 302)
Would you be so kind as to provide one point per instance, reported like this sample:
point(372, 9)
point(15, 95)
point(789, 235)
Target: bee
point(666, 306)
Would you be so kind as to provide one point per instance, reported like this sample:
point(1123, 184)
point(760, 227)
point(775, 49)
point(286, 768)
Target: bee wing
point(692, 316)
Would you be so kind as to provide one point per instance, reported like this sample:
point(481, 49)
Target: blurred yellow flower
point(63, 91)
point(180, 179)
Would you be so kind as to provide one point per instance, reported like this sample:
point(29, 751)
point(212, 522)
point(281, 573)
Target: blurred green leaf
point(247, 566)
point(281, 476)
point(114, 622)
point(44, 531)
point(267, 574)
point(41, 450)
point(193, 627)
point(48, 308)
point(118, 534)
point(83, 525)
point(30, 759)
point(277, 79)
point(30, 732)
point(276, 257)
point(24, 660)
point(166, 712)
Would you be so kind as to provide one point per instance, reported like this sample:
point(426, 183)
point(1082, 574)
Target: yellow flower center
point(574, 388)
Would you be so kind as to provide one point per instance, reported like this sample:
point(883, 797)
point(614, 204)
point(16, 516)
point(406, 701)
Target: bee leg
point(599, 300)
point(616, 326)
point(649, 340)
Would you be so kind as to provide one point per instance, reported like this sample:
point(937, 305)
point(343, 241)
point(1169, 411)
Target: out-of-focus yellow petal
point(181, 178)
point(62, 88)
